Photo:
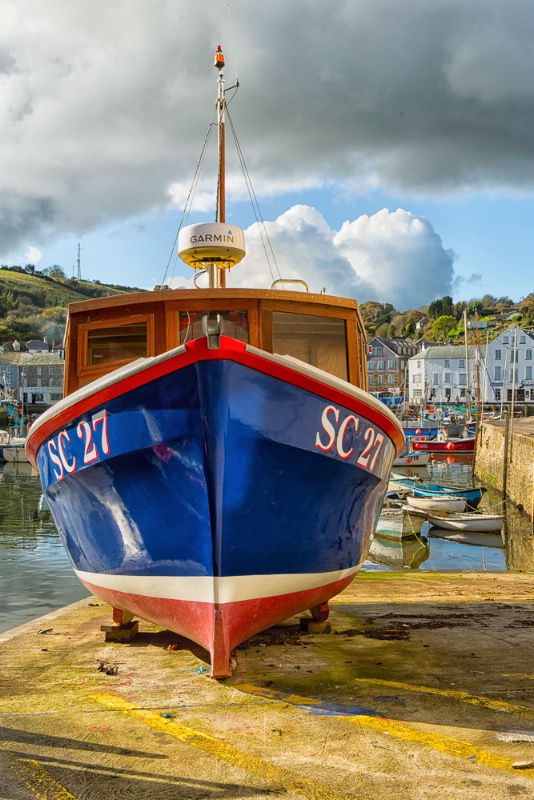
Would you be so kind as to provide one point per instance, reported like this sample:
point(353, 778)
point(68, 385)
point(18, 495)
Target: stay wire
point(189, 201)
point(266, 242)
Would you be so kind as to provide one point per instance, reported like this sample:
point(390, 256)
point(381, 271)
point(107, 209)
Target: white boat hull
point(468, 522)
point(443, 504)
point(412, 460)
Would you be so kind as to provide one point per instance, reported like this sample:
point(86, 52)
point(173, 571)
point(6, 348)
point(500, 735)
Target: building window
point(391, 379)
point(505, 339)
point(447, 394)
point(417, 392)
point(461, 364)
point(447, 377)
point(371, 379)
point(498, 374)
point(417, 379)
point(528, 355)
point(462, 379)
point(498, 395)
point(380, 365)
point(371, 365)
point(447, 363)
point(380, 379)
point(497, 355)
point(522, 340)
point(418, 365)
point(528, 373)
point(392, 364)
point(435, 379)
point(462, 393)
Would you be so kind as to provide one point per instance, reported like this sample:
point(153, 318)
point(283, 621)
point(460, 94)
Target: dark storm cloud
point(103, 106)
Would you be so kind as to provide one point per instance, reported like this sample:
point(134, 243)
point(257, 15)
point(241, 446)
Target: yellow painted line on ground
point(462, 697)
point(39, 780)
point(279, 776)
point(444, 744)
point(408, 733)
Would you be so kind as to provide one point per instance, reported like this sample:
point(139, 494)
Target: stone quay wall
point(504, 459)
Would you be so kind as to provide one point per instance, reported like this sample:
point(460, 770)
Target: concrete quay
point(423, 688)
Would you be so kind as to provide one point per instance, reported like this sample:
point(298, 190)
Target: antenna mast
point(78, 263)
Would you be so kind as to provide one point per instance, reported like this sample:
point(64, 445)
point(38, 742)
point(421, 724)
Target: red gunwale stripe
point(196, 351)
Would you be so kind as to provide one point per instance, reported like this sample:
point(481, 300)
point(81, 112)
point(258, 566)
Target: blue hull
point(179, 488)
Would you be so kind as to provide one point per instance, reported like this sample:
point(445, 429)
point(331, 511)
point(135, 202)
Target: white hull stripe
point(206, 589)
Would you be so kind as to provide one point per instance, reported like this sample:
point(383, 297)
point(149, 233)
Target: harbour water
point(36, 576)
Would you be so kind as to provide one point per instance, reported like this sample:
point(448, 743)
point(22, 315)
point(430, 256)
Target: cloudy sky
point(390, 145)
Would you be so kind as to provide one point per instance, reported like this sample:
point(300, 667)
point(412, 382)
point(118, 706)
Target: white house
point(442, 375)
point(496, 373)
point(509, 362)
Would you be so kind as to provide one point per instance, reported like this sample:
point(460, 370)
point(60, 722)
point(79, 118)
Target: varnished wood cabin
point(106, 333)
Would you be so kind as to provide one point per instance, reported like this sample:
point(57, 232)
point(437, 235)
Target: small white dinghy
point(467, 522)
point(439, 504)
point(412, 460)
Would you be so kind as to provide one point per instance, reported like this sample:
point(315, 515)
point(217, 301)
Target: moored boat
point(443, 443)
point(400, 522)
point(435, 503)
point(198, 478)
point(467, 522)
point(412, 459)
point(472, 495)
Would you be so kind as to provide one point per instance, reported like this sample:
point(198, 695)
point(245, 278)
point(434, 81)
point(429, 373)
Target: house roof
point(442, 352)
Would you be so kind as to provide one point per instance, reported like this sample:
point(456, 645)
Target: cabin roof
point(228, 294)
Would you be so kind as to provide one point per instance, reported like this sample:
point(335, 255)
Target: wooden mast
point(218, 276)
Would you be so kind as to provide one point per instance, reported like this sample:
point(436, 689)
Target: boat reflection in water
point(398, 552)
point(476, 539)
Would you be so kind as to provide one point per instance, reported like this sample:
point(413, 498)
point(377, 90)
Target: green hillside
point(33, 305)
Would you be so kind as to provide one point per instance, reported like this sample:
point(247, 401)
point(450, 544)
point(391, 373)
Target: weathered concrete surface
point(424, 689)
point(505, 459)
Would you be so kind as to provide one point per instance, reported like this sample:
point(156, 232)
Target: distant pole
point(79, 274)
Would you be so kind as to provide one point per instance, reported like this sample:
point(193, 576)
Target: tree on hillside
point(442, 326)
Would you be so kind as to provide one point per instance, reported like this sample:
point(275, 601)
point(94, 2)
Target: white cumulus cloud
point(392, 256)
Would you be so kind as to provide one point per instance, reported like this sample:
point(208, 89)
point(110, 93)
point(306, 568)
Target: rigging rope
point(189, 201)
point(255, 206)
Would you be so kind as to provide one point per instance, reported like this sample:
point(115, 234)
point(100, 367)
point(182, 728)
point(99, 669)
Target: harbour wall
point(504, 459)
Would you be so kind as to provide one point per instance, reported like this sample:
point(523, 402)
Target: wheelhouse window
point(106, 344)
point(235, 324)
point(319, 341)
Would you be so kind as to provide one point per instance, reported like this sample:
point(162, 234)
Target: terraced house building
point(387, 363)
point(496, 372)
point(444, 374)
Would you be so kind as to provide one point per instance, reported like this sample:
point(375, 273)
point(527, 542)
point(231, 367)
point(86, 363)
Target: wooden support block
point(121, 633)
point(311, 626)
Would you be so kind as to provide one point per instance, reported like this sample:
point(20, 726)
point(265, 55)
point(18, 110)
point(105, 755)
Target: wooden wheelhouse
point(323, 331)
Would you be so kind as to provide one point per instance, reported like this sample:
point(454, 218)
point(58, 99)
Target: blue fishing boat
point(199, 478)
point(418, 488)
